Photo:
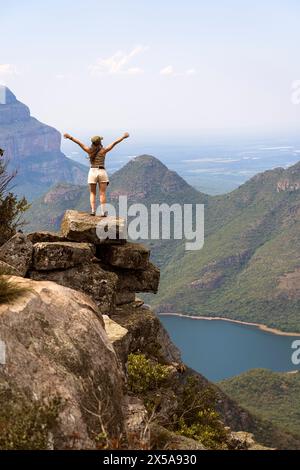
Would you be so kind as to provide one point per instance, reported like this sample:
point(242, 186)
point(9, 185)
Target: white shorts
point(97, 175)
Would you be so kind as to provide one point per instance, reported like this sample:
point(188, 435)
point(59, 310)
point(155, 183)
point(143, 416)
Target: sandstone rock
point(18, 253)
point(8, 269)
point(129, 255)
point(124, 297)
point(245, 441)
point(90, 278)
point(61, 255)
point(56, 345)
point(146, 280)
point(137, 423)
point(81, 227)
point(40, 237)
point(144, 333)
point(162, 439)
point(119, 338)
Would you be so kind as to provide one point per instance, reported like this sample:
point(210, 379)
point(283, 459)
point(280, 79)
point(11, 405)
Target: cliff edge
point(87, 365)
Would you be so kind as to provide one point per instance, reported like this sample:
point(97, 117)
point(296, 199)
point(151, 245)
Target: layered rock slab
point(82, 227)
point(48, 256)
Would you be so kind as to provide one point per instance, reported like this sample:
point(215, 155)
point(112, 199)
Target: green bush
point(144, 375)
point(26, 425)
point(11, 208)
point(196, 416)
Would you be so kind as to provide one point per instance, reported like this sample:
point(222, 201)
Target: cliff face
point(33, 148)
point(89, 364)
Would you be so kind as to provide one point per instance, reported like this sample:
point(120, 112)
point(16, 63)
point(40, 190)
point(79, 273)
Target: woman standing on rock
point(97, 174)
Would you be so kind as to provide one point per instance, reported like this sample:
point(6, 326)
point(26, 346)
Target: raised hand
point(67, 136)
point(126, 135)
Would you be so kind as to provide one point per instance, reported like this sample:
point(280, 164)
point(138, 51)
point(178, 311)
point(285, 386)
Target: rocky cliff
point(33, 148)
point(88, 365)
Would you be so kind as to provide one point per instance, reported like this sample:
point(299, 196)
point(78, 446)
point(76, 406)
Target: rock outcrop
point(34, 148)
point(75, 328)
point(56, 345)
point(81, 227)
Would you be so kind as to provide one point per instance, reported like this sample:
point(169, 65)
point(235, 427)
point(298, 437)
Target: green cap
point(96, 139)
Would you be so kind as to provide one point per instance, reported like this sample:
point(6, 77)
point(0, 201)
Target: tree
point(11, 208)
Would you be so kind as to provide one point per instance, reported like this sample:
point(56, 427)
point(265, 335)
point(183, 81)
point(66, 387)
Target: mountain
point(80, 344)
point(249, 268)
point(277, 396)
point(33, 148)
point(144, 179)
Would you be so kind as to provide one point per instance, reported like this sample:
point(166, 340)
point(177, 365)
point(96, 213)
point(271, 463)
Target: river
point(220, 349)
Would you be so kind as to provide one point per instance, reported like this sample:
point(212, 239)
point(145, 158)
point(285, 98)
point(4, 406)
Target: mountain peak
point(146, 177)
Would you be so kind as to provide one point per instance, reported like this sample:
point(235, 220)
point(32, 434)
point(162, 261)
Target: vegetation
point(251, 243)
point(27, 425)
point(274, 396)
point(193, 413)
point(144, 375)
point(9, 290)
point(196, 416)
point(11, 208)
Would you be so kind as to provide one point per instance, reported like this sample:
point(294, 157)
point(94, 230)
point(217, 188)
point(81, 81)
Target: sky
point(162, 67)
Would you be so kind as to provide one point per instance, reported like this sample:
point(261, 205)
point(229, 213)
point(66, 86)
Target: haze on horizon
point(156, 67)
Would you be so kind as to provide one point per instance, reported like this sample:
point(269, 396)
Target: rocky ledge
point(87, 365)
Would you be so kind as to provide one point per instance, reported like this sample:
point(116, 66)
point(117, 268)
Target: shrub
point(11, 208)
point(26, 425)
point(197, 418)
point(145, 375)
point(9, 290)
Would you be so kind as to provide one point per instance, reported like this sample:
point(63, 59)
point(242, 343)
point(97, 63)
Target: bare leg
point(103, 187)
point(93, 191)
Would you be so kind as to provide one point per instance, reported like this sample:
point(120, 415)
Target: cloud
point(170, 71)
point(7, 70)
point(190, 72)
point(118, 63)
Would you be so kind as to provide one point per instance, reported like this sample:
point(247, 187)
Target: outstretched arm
point(116, 142)
point(76, 141)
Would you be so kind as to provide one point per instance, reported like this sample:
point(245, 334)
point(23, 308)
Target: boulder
point(82, 227)
point(17, 252)
point(146, 280)
point(61, 255)
point(56, 346)
point(128, 256)
point(40, 237)
point(90, 279)
point(124, 297)
point(163, 439)
point(8, 269)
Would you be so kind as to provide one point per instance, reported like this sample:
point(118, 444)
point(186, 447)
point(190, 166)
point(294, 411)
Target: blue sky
point(159, 66)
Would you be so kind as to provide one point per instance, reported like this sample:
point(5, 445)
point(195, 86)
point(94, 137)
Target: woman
point(97, 173)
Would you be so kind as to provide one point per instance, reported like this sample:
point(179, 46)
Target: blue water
point(219, 349)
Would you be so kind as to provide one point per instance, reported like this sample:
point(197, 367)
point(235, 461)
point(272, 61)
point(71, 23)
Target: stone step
point(128, 256)
point(82, 227)
point(61, 255)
